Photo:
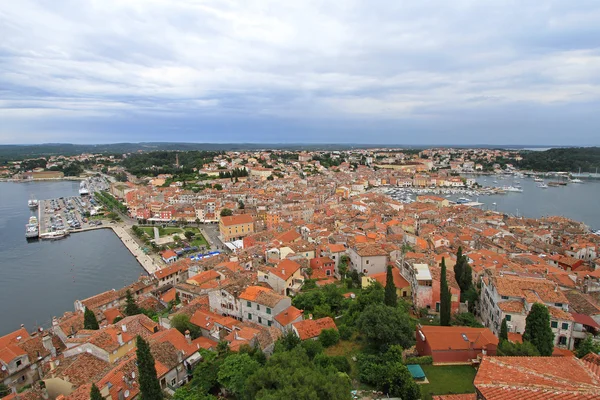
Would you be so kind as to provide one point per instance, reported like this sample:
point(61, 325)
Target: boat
point(542, 186)
point(576, 180)
point(463, 200)
point(59, 234)
point(512, 189)
point(538, 179)
point(32, 229)
point(33, 203)
point(83, 189)
point(557, 183)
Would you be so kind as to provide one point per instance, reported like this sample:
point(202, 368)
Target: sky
point(307, 71)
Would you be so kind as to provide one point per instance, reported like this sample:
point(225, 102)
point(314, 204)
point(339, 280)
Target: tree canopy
point(445, 297)
point(234, 372)
point(95, 393)
point(391, 297)
point(131, 307)
point(384, 326)
point(149, 385)
point(538, 330)
point(89, 320)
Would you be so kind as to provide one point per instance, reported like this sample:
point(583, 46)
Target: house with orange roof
point(511, 296)
point(322, 267)
point(236, 226)
point(177, 354)
point(173, 274)
point(285, 278)
point(204, 277)
point(368, 258)
point(403, 289)
point(168, 256)
point(310, 329)
point(284, 320)
point(108, 344)
point(455, 344)
point(261, 304)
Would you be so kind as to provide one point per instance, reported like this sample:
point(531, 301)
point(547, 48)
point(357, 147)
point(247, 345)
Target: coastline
point(65, 178)
point(145, 261)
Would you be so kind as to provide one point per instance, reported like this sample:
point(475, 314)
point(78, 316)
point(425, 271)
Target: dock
point(53, 216)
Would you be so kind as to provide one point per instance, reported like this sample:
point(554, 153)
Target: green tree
point(445, 297)
point(287, 342)
point(398, 382)
point(391, 297)
point(95, 393)
point(466, 319)
point(509, 349)
point(241, 205)
point(329, 337)
point(312, 348)
point(189, 235)
point(149, 385)
point(538, 330)
point(234, 372)
point(181, 322)
point(226, 212)
point(206, 372)
point(384, 326)
point(292, 375)
point(503, 330)
point(192, 393)
point(131, 307)
point(588, 345)
point(89, 320)
point(459, 266)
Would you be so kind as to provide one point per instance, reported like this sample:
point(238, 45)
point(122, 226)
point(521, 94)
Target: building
point(500, 378)
point(455, 344)
point(285, 278)
point(403, 288)
point(261, 304)
point(512, 296)
point(235, 227)
point(368, 258)
point(425, 285)
point(311, 328)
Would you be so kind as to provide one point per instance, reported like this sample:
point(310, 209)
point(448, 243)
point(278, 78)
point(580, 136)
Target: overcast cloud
point(395, 72)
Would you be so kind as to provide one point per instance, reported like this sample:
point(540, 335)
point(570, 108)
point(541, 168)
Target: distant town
point(347, 274)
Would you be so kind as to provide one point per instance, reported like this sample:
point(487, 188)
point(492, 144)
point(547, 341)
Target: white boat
point(538, 179)
point(512, 189)
point(32, 228)
point(542, 186)
point(59, 234)
point(83, 188)
point(33, 203)
point(576, 180)
point(463, 200)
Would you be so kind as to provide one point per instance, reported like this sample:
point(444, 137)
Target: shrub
point(340, 363)
point(345, 332)
point(425, 360)
point(329, 337)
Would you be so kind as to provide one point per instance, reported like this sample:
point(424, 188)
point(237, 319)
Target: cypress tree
point(131, 308)
point(445, 297)
point(458, 267)
point(391, 297)
point(89, 320)
point(149, 385)
point(503, 330)
point(538, 330)
point(95, 393)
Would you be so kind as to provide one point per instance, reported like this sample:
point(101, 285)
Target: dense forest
point(562, 159)
point(164, 162)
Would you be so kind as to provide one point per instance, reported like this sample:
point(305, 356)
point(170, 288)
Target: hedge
point(425, 360)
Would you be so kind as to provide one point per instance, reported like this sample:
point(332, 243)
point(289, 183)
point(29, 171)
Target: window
point(504, 297)
point(554, 324)
point(249, 316)
point(565, 326)
point(268, 310)
point(508, 317)
point(248, 304)
point(367, 262)
point(259, 320)
point(558, 304)
point(173, 382)
point(562, 340)
point(163, 382)
point(269, 323)
point(258, 307)
point(437, 307)
point(18, 363)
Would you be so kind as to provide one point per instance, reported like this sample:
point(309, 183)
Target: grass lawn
point(451, 379)
point(347, 348)
point(199, 241)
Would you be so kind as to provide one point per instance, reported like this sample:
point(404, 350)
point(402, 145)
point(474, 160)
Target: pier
point(54, 216)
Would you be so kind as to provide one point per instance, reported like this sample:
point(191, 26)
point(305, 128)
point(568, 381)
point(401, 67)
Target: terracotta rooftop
point(311, 328)
point(500, 378)
point(288, 315)
point(237, 219)
point(457, 337)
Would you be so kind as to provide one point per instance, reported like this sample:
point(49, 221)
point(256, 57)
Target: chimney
point(48, 345)
point(188, 338)
point(120, 338)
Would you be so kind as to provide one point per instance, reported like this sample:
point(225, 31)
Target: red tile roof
point(311, 328)
point(441, 338)
point(288, 315)
point(560, 378)
point(237, 219)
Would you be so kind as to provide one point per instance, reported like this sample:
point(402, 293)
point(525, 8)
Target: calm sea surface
point(580, 202)
point(41, 279)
